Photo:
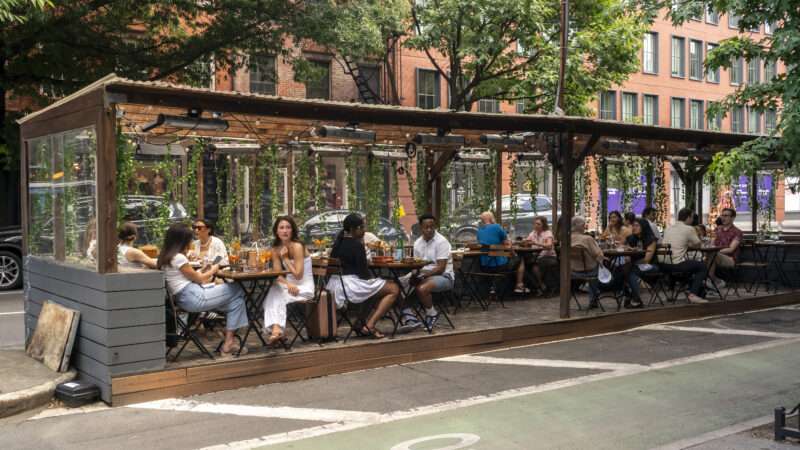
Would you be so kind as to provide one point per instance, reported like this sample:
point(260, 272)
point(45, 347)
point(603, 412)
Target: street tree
point(508, 50)
point(779, 95)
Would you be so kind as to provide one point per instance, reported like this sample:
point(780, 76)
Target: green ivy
point(302, 186)
point(514, 187)
point(395, 196)
point(126, 169)
point(375, 193)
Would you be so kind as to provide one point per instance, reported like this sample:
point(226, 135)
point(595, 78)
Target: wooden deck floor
point(523, 321)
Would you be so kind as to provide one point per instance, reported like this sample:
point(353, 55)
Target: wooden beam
point(588, 147)
point(106, 189)
point(567, 205)
point(441, 163)
point(498, 188)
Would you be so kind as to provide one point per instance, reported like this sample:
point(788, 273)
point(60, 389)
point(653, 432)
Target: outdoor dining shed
point(70, 161)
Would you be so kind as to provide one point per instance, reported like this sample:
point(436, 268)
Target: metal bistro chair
point(297, 312)
point(654, 280)
point(186, 329)
point(499, 289)
point(678, 281)
point(756, 263)
point(578, 279)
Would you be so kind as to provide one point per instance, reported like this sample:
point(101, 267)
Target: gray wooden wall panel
point(122, 327)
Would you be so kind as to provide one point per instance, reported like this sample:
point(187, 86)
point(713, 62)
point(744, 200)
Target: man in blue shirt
point(491, 233)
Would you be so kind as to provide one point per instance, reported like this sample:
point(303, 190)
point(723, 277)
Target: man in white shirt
point(435, 277)
point(681, 237)
point(649, 213)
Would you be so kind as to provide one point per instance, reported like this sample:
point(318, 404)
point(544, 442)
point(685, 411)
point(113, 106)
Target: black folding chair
point(186, 329)
point(753, 258)
point(495, 276)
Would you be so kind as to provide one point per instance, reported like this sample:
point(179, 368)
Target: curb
point(19, 401)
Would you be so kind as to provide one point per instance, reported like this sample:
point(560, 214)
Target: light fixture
point(439, 139)
point(620, 145)
point(327, 150)
point(505, 139)
point(350, 132)
point(235, 148)
point(474, 156)
point(192, 121)
point(387, 155)
point(529, 156)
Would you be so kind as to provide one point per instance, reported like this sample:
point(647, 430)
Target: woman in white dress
point(289, 254)
point(207, 246)
point(356, 277)
point(128, 256)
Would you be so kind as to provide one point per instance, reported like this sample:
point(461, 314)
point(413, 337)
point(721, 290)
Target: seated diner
point(194, 291)
point(641, 238)
point(207, 247)
point(542, 237)
point(591, 256)
point(128, 256)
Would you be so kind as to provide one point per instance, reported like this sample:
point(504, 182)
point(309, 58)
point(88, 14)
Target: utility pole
point(563, 67)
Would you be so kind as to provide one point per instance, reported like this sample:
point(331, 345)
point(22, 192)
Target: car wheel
point(10, 271)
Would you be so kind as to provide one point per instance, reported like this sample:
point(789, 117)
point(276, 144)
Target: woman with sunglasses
point(191, 290)
point(207, 246)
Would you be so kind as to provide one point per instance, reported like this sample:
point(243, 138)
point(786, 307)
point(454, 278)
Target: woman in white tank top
point(127, 255)
point(288, 254)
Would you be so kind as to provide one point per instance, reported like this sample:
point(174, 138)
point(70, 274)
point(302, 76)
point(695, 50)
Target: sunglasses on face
point(198, 227)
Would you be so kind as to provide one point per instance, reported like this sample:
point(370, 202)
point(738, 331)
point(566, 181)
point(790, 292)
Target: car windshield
point(524, 204)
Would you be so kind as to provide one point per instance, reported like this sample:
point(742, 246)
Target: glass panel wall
point(62, 197)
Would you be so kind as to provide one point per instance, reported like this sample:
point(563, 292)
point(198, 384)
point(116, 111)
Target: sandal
point(233, 352)
point(276, 338)
point(373, 333)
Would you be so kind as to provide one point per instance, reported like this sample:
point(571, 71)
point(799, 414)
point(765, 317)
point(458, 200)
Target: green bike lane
point(642, 410)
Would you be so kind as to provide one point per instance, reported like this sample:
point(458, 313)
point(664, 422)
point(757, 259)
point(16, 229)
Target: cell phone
point(217, 260)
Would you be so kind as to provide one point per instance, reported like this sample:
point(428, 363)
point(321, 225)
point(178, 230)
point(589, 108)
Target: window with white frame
point(650, 109)
point(677, 113)
point(770, 120)
point(737, 119)
point(520, 106)
point(769, 27)
point(754, 71)
point(695, 60)
point(712, 17)
point(736, 72)
point(770, 70)
point(428, 92)
point(714, 122)
point(650, 53)
point(321, 86)
point(712, 76)
point(678, 57)
point(753, 121)
point(629, 103)
point(733, 21)
point(608, 105)
point(488, 105)
point(696, 114)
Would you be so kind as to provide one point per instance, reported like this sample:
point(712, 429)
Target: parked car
point(465, 227)
point(329, 223)
point(10, 258)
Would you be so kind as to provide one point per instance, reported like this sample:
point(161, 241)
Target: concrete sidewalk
point(26, 383)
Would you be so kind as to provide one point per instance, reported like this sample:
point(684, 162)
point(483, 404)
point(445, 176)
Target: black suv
point(10, 258)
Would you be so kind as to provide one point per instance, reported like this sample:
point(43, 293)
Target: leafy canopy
point(781, 93)
point(510, 49)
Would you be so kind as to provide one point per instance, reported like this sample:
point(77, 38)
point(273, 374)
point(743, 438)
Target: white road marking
point(13, 313)
point(322, 430)
point(17, 292)
point(273, 412)
point(735, 331)
point(542, 362)
point(58, 412)
point(727, 431)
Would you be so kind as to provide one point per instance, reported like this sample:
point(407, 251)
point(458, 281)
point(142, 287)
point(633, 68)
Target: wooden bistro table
point(256, 286)
point(393, 271)
point(709, 253)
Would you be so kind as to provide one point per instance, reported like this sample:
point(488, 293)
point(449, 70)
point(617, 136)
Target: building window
point(677, 113)
point(370, 79)
point(629, 104)
point(696, 114)
point(678, 57)
point(262, 75)
point(737, 69)
point(754, 71)
point(770, 120)
point(737, 119)
point(753, 121)
point(608, 105)
point(521, 106)
point(712, 76)
point(488, 105)
point(650, 53)
point(770, 70)
point(321, 87)
point(769, 27)
point(695, 60)
point(711, 16)
point(650, 109)
point(733, 21)
point(428, 90)
point(714, 123)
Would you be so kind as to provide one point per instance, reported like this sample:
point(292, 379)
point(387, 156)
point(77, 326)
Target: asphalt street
point(12, 320)
point(699, 383)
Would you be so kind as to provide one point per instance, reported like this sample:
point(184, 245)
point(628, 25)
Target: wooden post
point(604, 193)
point(106, 190)
point(699, 192)
point(289, 184)
point(201, 195)
point(23, 189)
point(649, 188)
point(429, 161)
point(567, 205)
point(554, 194)
point(498, 189)
point(754, 202)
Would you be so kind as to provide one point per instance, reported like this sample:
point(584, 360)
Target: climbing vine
point(396, 207)
point(303, 188)
point(126, 168)
point(375, 193)
point(194, 159)
point(273, 172)
point(627, 177)
point(320, 201)
point(514, 188)
point(224, 202)
point(533, 180)
point(660, 197)
point(351, 164)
